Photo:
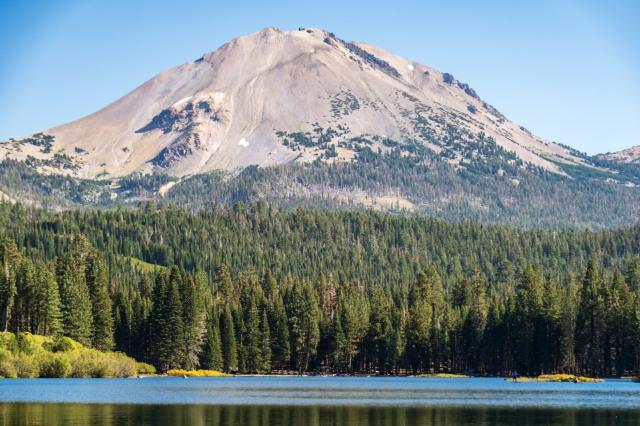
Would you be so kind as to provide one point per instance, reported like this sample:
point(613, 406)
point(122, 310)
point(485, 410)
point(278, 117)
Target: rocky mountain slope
point(626, 156)
point(277, 97)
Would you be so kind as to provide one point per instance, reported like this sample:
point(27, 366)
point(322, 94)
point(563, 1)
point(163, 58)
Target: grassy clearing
point(144, 266)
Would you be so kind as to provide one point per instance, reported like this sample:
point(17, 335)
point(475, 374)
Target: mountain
point(304, 118)
point(276, 97)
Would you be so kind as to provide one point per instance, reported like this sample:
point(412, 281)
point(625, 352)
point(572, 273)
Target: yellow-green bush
point(196, 373)
point(558, 378)
point(5, 355)
point(26, 366)
point(144, 368)
point(443, 376)
point(55, 366)
point(26, 355)
point(60, 344)
point(7, 370)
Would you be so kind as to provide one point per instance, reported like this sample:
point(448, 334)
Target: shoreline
point(582, 379)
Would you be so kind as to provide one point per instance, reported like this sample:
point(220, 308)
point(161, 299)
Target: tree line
point(523, 320)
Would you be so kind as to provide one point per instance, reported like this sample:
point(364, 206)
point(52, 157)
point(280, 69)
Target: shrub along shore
point(557, 378)
point(24, 355)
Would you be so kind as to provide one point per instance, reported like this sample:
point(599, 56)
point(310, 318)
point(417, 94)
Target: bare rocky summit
point(277, 97)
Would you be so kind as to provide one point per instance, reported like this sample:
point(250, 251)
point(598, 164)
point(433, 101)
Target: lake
point(316, 401)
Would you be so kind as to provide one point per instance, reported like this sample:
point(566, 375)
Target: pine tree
point(352, 324)
point(419, 327)
point(251, 336)
point(98, 284)
point(157, 333)
point(173, 355)
point(229, 344)
point(25, 300)
point(265, 343)
point(123, 318)
point(381, 333)
point(340, 347)
point(77, 316)
point(439, 333)
point(47, 315)
point(212, 357)
point(589, 323)
point(304, 332)
point(10, 259)
point(269, 285)
point(475, 321)
point(633, 274)
point(193, 319)
point(278, 326)
point(222, 283)
point(529, 301)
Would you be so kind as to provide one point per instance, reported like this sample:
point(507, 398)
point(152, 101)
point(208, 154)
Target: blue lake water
point(316, 401)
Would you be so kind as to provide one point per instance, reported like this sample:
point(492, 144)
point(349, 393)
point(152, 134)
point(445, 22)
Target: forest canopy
point(251, 288)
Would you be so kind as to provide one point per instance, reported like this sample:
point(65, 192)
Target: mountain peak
point(275, 97)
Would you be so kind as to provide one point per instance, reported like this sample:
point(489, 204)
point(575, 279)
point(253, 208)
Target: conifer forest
point(254, 289)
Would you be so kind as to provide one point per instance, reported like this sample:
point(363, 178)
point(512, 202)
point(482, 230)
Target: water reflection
point(114, 414)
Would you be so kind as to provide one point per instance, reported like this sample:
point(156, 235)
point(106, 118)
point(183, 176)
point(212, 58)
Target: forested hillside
point(256, 289)
point(490, 186)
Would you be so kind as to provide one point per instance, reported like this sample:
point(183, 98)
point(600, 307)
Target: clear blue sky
point(567, 70)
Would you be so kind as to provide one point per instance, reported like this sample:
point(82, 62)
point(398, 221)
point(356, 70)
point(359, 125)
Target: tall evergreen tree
point(98, 284)
point(229, 344)
point(590, 321)
point(193, 319)
point(10, 259)
point(157, 333)
point(529, 311)
point(77, 316)
point(25, 301)
point(173, 353)
point(222, 283)
point(475, 321)
point(265, 343)
point(278, 326)
point(303, 315)
point(381, 331)
point(47, 309)
point(352, 311)
point(212, 356)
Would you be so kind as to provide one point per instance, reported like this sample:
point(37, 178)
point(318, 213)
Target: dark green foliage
point(447, 78)
point(229, 346)
point(77, 317)
point(47, 316)
point(97, 281)
point(194, 320)
point(172, 354)
point(304, 331)
point(340, 292)
point(490, 187)
point(277, 324)
point(10, 259)
point(212, 356)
